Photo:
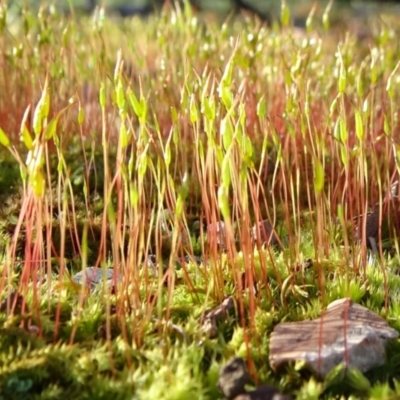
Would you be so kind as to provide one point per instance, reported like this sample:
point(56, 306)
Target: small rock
point(302, 266)
point(196, 259)
point(34, 330)
point(346, 333)
point(95, 275)
point(233, 378)
point(263, 392)
point(217, 232)
point(209, 321)
point(263, 233)
point(14, 302)
point(245, 284)
point(381, 221)
point(372, 223)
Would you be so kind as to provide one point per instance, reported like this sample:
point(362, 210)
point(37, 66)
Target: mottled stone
point(381, 222)
point(211, 318)
point(346, 333)
point(94, 276)
point(217, 232)
point(263, 233)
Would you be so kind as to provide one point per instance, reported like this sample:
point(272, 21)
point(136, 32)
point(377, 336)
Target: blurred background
point(266, 9)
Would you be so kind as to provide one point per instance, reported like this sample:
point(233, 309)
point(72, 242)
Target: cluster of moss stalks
point(125, 139)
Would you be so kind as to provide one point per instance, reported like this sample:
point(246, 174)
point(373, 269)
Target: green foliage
point(125, 140)
point(32, 371)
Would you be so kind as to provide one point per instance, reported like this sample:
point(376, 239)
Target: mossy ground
point(130, 120)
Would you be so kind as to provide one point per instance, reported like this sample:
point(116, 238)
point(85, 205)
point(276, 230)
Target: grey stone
point(217, 232)
point(233, 377)
point(346, 333)
point(263, 233)
point(95, 276)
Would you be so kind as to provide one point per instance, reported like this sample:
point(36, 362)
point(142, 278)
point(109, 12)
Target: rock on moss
point(95, 276)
